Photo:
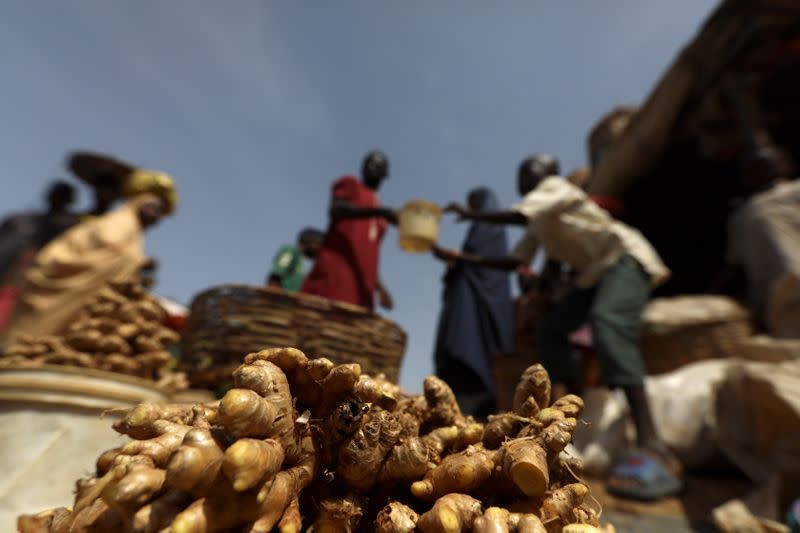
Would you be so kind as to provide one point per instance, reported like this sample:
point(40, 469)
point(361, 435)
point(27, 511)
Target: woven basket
point(681, 330)
point(230, 321)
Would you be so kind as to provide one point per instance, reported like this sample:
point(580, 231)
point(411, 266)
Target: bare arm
point(344, 209)
point(508, 262)
point(511, 218)
point(384, 296)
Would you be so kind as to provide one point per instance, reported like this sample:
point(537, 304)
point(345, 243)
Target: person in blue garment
point(476, 321)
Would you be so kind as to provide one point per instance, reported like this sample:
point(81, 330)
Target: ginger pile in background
point(121, 330)
point(302, 443)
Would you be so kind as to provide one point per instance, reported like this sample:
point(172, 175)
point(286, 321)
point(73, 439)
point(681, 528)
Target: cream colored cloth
point(71, 269)
point(764, 239)
point(574, 230)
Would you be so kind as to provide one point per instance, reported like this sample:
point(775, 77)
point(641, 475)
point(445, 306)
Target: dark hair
point(377, 162)
point(310, 234)
point(61, 188)
point(540, 166)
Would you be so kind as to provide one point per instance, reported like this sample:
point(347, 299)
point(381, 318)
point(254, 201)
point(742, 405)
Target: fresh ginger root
point(499, 520)
point(443, 409)
point(249, 461)
point(301, 441)
point(452, 513)
point(138, 486)
point(160, 448)
point(196, 463)
point(558, 507)
point(338, 515)
point(362, 455)
point(406, 462)
point(461, 472)
point(338, 385)
point(292, 520)
point(160, 513)
point(114, 331)
point(55, 520)
point(524, 462)
point(368, 390)
point(396, 518)
point(140, 422)
point(534, 382)
point(493, 520)
point(530, 523)
point(571, 405)
point(245, 414)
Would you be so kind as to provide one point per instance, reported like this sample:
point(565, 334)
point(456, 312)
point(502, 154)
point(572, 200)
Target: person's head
point(764, 166)
point(310, 241)
point(476, 198)
point(482, 199)
point(150, 209)
point(374, 169)
point(154, 182)
point(60, 195)
point(107, 190)
point(533, 170)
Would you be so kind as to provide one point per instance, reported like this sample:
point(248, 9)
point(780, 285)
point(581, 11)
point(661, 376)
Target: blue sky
point(255, 107)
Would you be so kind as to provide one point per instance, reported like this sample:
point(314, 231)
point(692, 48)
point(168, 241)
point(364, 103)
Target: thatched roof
point(754, 38)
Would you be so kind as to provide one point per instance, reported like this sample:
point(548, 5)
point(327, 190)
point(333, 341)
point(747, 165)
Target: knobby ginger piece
point(396, 518)
point(451, 513)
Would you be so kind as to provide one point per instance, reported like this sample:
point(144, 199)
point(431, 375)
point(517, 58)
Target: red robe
point(346, 268)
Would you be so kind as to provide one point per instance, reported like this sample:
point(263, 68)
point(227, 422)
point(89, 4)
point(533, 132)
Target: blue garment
point(477, 314)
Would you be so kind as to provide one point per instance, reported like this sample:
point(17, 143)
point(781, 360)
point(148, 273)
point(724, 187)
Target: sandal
point(639, 476)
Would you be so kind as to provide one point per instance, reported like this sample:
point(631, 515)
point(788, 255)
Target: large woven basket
point(229, 321)
point(681, 330)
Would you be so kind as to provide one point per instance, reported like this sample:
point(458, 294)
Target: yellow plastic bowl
point(418, 228)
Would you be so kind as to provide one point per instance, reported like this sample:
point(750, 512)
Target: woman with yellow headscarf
point(77, 265)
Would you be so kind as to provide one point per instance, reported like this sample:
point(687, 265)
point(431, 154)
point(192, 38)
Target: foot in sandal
point(643, 475)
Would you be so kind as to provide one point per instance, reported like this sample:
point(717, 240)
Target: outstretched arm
point(508, 262)
point(384, 296)
point(512, 218)
point(344, 209)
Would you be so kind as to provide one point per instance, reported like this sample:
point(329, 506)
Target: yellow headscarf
point(159, 184)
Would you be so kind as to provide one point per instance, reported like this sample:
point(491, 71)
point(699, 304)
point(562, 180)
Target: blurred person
point(104, 174)
point(23, 231)
point(346, 268)
point(616, 270)
point(21, 235)
point(288, 269)
point(74, 267)
point(476, 321)
point(764, 242)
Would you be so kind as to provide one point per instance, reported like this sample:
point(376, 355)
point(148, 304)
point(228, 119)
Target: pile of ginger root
point(303, 444)
point(120, 330)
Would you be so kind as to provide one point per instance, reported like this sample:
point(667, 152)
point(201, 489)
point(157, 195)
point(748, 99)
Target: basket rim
point(317, 301)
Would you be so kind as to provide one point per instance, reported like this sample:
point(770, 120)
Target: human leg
point(552, 339)
point(616, 317)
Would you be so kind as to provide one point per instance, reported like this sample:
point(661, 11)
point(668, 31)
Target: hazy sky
point(255, 107)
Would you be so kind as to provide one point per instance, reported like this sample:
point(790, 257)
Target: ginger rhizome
point(120, 330)
point(302, 443)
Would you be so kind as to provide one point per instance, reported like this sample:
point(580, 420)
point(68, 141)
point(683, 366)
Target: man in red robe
point(346, 268)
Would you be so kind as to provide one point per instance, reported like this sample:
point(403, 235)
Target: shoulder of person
point(347, 181)
point(347, 187)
